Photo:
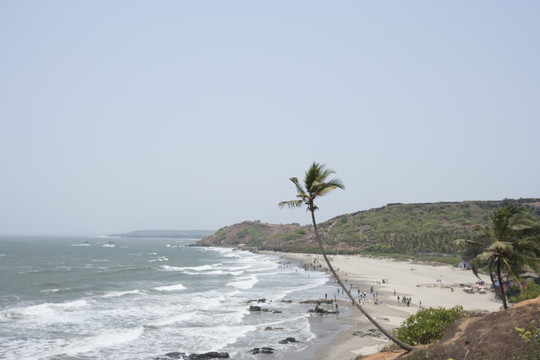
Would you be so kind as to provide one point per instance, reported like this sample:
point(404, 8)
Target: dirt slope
point(492, 337)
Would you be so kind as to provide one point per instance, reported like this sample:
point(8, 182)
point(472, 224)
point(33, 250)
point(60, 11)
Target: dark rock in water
point(320, 310)
point(263, 350)
point(287, 340)
point(209, 355)
point(269, 328)
point(255, 308)
point(320, 301)
point(263, 300)
point(183, 356)
point(171, 355)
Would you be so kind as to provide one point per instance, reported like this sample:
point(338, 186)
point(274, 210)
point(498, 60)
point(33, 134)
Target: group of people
point(405, 300)
point(316, 263)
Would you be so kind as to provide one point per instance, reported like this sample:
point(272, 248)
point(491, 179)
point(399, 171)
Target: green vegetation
point(414, 228)
point(292, 236)
point(254, 235)
point(428, 325)
point(529, 291)
point(423, 232)
point(510, 243)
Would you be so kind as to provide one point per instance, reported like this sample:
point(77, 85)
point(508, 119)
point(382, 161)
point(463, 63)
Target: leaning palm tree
point(513, 245)
point(316, 184)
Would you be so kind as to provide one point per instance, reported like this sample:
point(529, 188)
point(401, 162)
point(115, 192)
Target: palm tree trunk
point(501, 287)
point(496, 288)
point(400, 343)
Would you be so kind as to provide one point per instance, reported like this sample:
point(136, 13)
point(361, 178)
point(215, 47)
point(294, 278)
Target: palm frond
point(291, 204)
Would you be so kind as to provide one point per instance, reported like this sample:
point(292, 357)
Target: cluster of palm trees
point(508, 245)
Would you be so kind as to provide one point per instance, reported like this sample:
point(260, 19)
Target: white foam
point(207, 301)
point(105, 339)
point(70, 305)
point(122, 293)
point(50, 291)
point(244, 283)
point(218, 337)
point(172, 319)
point(192, 268)
point(171, 287)
point(48, 312)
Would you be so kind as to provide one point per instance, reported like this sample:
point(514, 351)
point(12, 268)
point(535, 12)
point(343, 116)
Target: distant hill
point(191, 234)
point(395, 228)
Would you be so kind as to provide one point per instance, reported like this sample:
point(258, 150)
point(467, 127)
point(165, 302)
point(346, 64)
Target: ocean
point(141, 298)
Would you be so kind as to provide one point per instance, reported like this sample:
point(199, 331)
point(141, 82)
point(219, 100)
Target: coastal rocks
point(318, 302)
point(183, 356)
point(263, 350)
point(256, 308)
point(269, 328)
point(287, 340)
point(263, 300)
point(269, 350)
point(320, 310)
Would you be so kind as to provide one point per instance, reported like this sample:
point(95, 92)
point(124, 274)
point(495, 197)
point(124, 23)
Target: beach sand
point(426, 286)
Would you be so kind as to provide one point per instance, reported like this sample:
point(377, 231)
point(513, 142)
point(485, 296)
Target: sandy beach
point(425, 286)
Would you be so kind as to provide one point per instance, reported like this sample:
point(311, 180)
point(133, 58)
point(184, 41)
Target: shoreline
point(424, 284)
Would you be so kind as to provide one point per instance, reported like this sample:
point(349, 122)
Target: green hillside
point(392, 229)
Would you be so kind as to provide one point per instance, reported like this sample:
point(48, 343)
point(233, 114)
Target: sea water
point(139, 298)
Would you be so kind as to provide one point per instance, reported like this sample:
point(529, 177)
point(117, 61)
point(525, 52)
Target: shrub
point(428, 325)
point(529, 291)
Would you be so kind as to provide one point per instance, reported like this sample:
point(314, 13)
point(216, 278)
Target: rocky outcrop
point(257, 308)
point(287, 340)
point(263, 350)
point(320, 310)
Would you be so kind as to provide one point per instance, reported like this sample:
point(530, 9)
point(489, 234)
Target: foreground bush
point(428, 325)
point(529, 291)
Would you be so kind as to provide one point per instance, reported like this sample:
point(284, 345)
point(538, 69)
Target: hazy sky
point(127, 115)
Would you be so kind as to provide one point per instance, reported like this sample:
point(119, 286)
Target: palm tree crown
point(513, 244)
point(316, 184)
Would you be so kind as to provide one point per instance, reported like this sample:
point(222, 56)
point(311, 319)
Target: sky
point(130, 115)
